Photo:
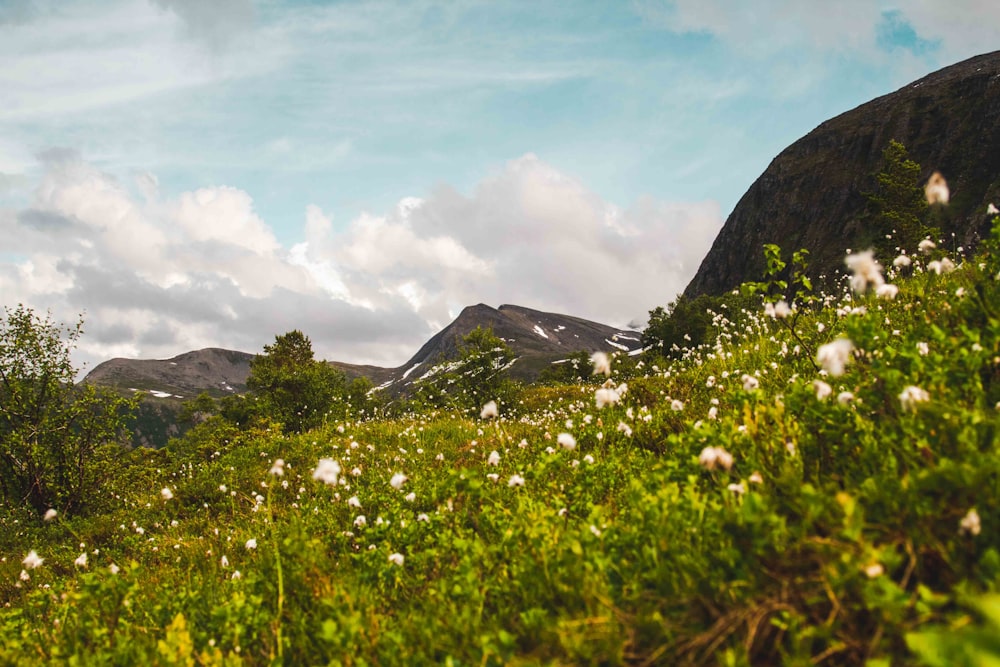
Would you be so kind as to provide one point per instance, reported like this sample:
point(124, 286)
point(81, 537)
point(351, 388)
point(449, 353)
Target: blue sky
point(195, 174)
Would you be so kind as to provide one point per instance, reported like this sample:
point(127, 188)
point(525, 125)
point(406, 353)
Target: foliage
point(685, 323)
point(735, 506)
point(57, 440)
point(900, 208)
point(288, 385)
point(478, 376)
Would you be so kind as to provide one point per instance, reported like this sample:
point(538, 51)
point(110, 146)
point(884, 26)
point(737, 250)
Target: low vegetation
point(813, 481)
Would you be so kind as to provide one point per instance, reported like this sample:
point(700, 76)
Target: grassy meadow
point(819, 484)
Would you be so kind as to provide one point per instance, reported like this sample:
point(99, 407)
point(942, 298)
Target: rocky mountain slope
point(812, 194)
point(537, 338)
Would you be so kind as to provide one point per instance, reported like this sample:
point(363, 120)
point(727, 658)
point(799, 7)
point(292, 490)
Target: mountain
point(812, 194)
point(537, 339)
point(217, 371)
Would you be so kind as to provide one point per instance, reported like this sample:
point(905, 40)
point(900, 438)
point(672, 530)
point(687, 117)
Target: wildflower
point(970, 523)
point(912, 395)
point(398, 480)
point(887, 291)
point(489, 411)
point(114, 569)
point(865, 271)
point(823, 390)
point(992, 210)
point(24, 576)
point(81, 560)
point(515, 480)
point(567, 441)
point(782, 309)
point(944, 265)
point(494, 459)
point(835, 355)
point(845, 398)
point(713, 412)
point(601, 363)
point(588, 459)
point(360, 521)
point(423, 517)
point(923, 349)
point(396, 559)
point(278, 468)
point(31, 561)
point(50, 514)
point(750, 383)
point(410, 497)
point(224, 562)
point(625, 428)
point(236, 575)
point(874, 570)
point(711, 457)
point(737, 488)
point(606, 396)
point(902, 261)
point(327, 471)
point(167, 493)
point(353, 502)
point(595, 530)
point(756, 478)
point(936, 189)
point(676, 405)
point(251, 543)
point(926, 246)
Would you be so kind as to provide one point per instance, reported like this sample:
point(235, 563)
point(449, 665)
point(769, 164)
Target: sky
point(188, 174)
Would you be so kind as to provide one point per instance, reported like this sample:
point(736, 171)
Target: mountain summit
point(813, 194)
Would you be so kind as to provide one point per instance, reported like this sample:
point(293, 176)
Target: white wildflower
point(887, 291)
point(936, 189)
point(278, 468)
point(251, 543)
point(81, 560)
point(167, 493)
point(327, 471)
point(866, 272)
point(711, 457)
point(360, 521)
point(398, 480)
point(602, 364)
point(912, 395)
point(874, 570)
point(489, 411)
point(835, 355)
point(823, 390)
point(992, 210)
point(353, 501)
point(737, 488)
point(926, 246)
point(676, 405)
point(944, 265)
point(50, 514)
point(845, 398)
point(606, 396)
point(494, 459)
point(970, 523)
point(567, 441)
point(750, 383)
point(32, 560)
point(396, 559)
point(515, 480)
point(902, 261)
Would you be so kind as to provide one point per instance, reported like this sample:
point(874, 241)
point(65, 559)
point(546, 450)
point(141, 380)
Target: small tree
point(290, 386)
point(54, 436)
point(477, 377)
point(898, 201)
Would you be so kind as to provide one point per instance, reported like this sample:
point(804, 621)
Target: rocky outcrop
point(813, 194)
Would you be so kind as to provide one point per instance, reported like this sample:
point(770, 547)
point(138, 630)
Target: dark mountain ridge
point(812, 195)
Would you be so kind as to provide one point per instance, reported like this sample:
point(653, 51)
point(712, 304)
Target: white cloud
point(157, 276)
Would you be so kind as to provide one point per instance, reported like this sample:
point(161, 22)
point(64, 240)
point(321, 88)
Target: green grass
point(835, 537)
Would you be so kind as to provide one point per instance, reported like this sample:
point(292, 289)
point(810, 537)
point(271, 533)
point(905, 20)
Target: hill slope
point(812, 194)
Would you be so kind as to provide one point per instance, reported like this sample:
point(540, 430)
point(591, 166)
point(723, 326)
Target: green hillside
point(772, 496)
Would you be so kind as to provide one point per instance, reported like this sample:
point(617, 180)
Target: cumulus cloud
point(158, 275)
point(528, 235)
